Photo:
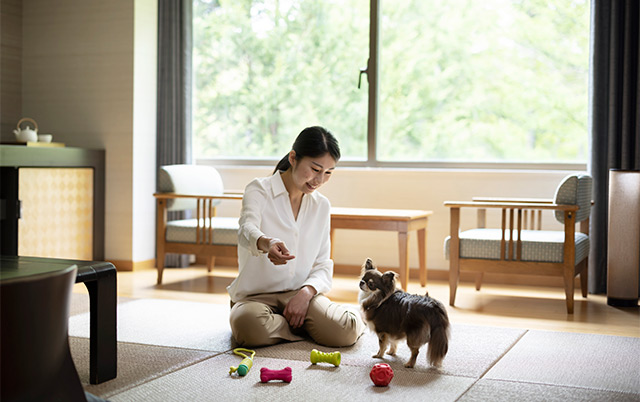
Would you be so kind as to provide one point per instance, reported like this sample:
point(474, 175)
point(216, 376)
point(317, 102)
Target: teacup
point(45, 137)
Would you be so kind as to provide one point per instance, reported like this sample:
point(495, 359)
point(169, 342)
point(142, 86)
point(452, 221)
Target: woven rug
point(181, 351)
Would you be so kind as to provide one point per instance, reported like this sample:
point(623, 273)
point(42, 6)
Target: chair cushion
point(537, 245)
point(225, 230)
point(189, 179)
point(574, 189)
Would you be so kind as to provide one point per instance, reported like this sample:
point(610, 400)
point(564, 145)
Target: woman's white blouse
point(266, 211)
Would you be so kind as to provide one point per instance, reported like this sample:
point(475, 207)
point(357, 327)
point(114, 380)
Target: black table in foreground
point(100, 279)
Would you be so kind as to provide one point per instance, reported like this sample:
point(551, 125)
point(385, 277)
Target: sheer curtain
point(614, 114)
point(174, 92)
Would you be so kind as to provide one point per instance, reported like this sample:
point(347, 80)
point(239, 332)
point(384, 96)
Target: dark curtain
point(614, 114)
point(174, 92)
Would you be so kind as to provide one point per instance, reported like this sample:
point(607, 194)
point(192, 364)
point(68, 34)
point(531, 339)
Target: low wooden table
point(397, 220)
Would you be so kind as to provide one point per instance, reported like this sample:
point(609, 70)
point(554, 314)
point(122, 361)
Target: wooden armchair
point(198, 189)
point(520, 246)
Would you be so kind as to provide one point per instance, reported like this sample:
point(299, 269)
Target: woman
point(284, 253)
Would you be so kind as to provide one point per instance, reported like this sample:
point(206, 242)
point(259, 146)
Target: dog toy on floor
point(267, 375)
point(245, 364)
point(381, 374)
point(333, 357)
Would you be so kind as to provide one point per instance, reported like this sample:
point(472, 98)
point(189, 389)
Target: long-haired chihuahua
point(395, 315)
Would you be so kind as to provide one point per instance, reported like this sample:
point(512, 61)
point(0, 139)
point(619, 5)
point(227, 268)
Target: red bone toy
point(267, 375)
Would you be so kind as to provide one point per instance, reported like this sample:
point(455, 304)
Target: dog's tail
point(439, 342)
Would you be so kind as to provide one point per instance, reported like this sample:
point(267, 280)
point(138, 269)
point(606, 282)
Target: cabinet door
point(57, 212)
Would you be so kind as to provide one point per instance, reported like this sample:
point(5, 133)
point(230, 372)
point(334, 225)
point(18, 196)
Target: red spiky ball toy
point(381, 374)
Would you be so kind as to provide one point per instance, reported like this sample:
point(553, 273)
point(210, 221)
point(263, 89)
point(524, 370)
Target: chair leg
point(211, 261)
point(160, 266)
point(454, 254)
point(584, 278)
point(479, 277)
point(569, 288)
point(453, 279)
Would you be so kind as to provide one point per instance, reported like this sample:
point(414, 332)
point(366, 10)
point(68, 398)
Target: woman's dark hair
point(312, 142)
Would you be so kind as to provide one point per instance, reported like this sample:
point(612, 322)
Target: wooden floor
point(505, 306)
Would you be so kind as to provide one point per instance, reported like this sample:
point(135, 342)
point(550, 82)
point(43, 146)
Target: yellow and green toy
point(245, 364)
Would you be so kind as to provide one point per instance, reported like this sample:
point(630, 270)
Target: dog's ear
point(368, 265)
point(389, 278)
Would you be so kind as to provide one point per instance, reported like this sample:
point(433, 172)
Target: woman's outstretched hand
point(277, 251)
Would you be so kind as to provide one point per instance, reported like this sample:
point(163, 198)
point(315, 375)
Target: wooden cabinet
point(56, 212)
point(52, 202)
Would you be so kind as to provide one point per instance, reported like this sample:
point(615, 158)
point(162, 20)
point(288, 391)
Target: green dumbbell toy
point(322, 357)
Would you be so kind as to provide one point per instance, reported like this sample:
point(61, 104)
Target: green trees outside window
point(458, 80)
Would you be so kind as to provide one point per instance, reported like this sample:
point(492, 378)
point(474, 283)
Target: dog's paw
point(409, 365)
point(378, 356)
point(391, 353)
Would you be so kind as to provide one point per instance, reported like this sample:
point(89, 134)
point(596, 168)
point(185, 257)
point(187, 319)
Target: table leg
point(331, 233)
point(103, 344)
point(422, 255)
point(403, 251)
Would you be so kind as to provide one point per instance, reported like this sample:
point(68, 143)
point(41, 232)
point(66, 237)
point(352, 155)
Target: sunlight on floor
point(494, 305)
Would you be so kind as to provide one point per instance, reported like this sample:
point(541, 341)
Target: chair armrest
point(515, 205)
point(225, 196)
point(507, 199)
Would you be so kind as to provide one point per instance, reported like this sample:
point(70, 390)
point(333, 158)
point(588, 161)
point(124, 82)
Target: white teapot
point(27, 134)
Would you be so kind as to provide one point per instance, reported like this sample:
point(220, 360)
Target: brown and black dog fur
point(394, 315)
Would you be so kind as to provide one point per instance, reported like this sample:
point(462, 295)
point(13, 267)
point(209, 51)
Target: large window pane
point(266, 69)
point(491, 80)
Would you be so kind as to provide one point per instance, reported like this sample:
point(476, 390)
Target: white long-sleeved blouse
point(266, 211)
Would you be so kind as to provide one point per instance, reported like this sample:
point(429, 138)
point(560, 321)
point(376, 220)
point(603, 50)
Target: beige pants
point(258, 321)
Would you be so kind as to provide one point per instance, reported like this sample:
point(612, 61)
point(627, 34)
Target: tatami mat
point(179, 350)
point(171, 323)
point(137, 364)
point(210, 380)
point(591, 361)
point(494, 390)
point(80, 303)
point(192, 325)
point(472, 351)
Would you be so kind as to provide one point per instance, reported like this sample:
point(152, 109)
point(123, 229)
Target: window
point(264, 70)
point(458, 81)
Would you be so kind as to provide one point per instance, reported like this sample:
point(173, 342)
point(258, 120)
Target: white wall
point(89, 79)
point(144, 128)
point(11, 67)
point(408, 189)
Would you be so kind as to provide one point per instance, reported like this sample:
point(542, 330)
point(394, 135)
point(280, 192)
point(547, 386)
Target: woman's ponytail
point(283, 165)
